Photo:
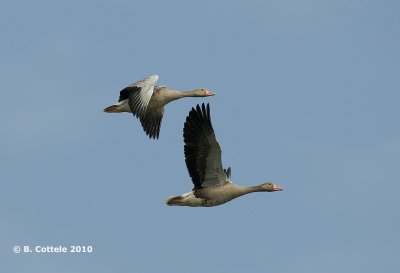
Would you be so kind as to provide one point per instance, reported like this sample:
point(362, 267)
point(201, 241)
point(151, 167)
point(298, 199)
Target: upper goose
point(146, 101)
point(212, 184)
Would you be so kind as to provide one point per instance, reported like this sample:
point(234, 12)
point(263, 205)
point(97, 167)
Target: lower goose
point(212, 184)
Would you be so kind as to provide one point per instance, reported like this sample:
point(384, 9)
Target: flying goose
point(212, 184)
point(146, 101)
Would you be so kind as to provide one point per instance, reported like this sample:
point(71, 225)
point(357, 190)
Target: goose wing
point(151, 122)
point(139, 94)
point(202, 151)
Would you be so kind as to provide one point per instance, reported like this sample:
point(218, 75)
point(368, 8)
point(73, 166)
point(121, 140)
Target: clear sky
point(307, 97)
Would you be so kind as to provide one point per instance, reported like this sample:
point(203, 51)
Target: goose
point(212, 184)
point(145, 100)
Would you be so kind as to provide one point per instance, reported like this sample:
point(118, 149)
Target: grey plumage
point(146, 101)
point(212, 184)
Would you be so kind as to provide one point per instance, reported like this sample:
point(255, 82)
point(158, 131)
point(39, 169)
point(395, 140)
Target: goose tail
point(119, 107)
point(175, 200)
point(112, 109)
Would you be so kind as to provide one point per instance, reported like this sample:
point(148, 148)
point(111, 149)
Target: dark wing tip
point(198, 122)
point(124, 93)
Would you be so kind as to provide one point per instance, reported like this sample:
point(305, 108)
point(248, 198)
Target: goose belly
point(214, 196)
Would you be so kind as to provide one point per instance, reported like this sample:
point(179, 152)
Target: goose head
point(268, 186)
point(201, 92)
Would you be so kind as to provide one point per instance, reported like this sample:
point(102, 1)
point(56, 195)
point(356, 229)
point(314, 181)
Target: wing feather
point(139, 99)
point(202, 151)
point(151, 122)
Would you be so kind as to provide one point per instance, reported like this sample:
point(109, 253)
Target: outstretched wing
point(139, 94)
point(202, 151)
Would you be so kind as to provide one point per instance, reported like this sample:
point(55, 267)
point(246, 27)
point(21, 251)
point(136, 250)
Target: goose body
point(145, 100)
point(212, 184)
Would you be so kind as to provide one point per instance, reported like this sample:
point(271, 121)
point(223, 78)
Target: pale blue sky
point(307, 97)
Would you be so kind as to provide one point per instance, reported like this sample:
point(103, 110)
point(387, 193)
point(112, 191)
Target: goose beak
point(209, 93)
point(277, 188)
